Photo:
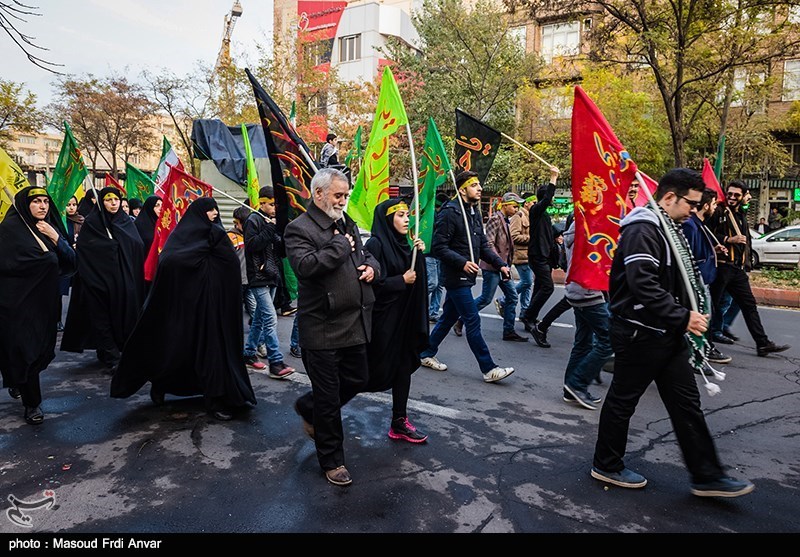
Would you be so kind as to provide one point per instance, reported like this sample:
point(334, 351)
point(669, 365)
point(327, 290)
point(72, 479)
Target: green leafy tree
point(18, 112)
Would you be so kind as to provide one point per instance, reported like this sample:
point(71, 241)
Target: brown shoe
point(458, 328)
point(339, 476)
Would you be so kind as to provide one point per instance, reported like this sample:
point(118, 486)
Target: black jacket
point(262, 243)
point(645, 286)
point(722, 226)
point(334, 308)
point(451, 248)
point(541, 228)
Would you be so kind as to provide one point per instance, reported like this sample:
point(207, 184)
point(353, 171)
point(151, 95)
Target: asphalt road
point(510, 457)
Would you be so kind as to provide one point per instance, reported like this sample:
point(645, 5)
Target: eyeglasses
point(689, 202)
point(734, 195)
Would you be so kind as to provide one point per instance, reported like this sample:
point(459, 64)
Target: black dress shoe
point(539, 336)
point(34, 416)
point(514, 337)
point(527, 324)
point(13, 392)
point(771, 348)
point(722, 339)
point(730, 335)
point(60, 327)
point(156, 396)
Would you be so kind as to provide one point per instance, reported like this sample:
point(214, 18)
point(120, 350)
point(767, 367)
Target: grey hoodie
point(577, 295)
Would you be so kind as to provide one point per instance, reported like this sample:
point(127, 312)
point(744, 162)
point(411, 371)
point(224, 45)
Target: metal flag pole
point(463, 214)
point(524, 147)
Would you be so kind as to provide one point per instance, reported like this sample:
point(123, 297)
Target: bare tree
point(12, 15)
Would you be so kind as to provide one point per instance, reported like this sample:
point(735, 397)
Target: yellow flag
point(12, 179)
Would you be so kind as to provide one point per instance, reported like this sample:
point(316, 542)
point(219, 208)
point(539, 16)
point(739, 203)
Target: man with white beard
point(334, 314)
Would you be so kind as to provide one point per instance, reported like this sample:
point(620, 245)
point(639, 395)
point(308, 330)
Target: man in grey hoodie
point(592, 345)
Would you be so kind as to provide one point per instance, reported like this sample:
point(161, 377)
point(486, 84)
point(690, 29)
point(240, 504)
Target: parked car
point(780, 247)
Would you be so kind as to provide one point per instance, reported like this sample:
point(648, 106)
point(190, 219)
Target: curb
point(763, 296)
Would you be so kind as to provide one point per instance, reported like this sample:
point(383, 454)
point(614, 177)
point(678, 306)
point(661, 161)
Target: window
point(743, 79)
point(318, 52)
point(318, 104)
point(350, 48)
point(791, 80)
point(786, 236)
point(556, 103)
point(560, 39)
point(27, 139)
point(794, 14)
point(519, 35)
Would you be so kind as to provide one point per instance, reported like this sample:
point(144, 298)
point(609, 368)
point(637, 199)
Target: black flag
point(289, 159)
point(476, 145)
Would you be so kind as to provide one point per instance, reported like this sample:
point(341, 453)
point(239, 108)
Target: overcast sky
point(100, 36)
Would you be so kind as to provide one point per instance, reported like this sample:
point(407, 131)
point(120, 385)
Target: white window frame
point(520, 35)
point(350, 48)
point(791, 80)
point(560, 39)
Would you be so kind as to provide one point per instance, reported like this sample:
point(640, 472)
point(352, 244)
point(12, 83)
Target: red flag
point(711, 181)
point(112, 183)
point(641, 196)
point(181, 189)
point(602, 171)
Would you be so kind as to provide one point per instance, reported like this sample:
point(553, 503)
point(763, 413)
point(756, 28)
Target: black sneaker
point(584, 398)
point(14, 392)
point(527, 324)
point(280, 370)
point(723, 487)
point(403, 430)
point(623, 478)
point(718, 357)
point(728, 333)
point(770, 348)
point(60, 327)
point(566, 397)
point(540, 336)
point(295, 352)
point(288, 310)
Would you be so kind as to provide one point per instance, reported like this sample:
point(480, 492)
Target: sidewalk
point(764, 296)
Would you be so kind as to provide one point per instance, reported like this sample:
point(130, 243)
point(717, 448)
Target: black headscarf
point(85, 205)
point(189, 338)
point(110, 277)
point(146, 222)
point(29, 298)
point(400, 314)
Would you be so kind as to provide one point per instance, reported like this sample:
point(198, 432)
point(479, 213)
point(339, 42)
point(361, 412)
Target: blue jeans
point(723, 318)
point(264, 328)
point(524, 287)
point(491, 280)
point(459, 302)
point(592, 346)
point(435, 288)
point(294, 341)
point(249, 301)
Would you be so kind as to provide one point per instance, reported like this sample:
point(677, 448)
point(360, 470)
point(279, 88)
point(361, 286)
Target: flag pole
point(242, 203)
point(415, 179)
point(463, 214)
point(521, 146)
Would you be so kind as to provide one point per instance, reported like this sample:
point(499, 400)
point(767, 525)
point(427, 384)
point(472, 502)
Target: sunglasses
point(689, 202)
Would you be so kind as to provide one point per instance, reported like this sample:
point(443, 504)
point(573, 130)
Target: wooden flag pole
point(524, 147)
point(464, 214)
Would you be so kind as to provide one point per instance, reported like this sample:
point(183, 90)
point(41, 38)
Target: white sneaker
point(433, 363)
point(497, 374)
point(262, 350)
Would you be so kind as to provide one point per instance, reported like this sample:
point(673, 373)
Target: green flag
point(293, 116)
point(372, 184)
point(434, 168)
point(138, 183)
point(718, 162)
point(252, 174)
point(68, 174)
point(355, 150)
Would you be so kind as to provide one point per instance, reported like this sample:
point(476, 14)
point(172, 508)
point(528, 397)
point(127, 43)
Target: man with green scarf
point(650, 303)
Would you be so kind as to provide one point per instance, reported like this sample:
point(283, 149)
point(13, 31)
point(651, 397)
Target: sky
point(128, 36)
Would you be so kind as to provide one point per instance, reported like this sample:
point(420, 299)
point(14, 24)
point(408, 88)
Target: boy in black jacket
point(650, 319)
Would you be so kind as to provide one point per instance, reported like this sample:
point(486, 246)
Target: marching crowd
point(364, 309)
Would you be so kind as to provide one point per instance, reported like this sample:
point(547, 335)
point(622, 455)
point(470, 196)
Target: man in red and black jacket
point(731, 229)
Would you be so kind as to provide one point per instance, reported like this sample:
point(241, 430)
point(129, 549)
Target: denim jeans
point(435, 288)
point(249, 301)
point(491, 280)
point(592, 346)
point(459, 302)
point(523, 286)
point(264, 328)
point(294, 341)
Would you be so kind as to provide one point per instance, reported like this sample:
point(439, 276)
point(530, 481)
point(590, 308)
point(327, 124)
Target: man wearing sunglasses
point(731, 229)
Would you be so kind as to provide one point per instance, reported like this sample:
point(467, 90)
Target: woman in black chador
point(399, 317)
point(108, 290)
point(34, 252)
point(146, 221)
point(189, 338)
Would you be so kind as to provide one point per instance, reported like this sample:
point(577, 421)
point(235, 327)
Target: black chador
point(146, 222)
point(108, 290)
point(399, 317)
point(30, 266)
point(189, 338)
